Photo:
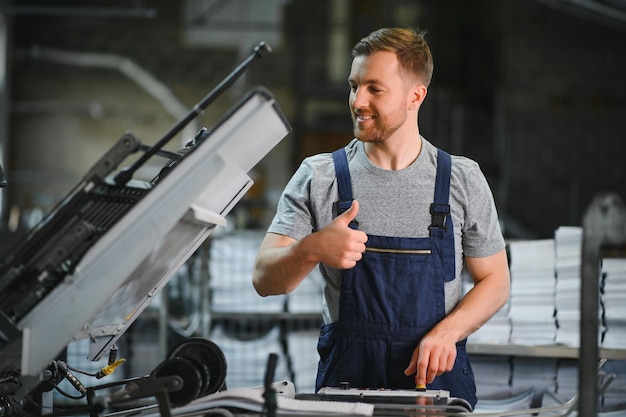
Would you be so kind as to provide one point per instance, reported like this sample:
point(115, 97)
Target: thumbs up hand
point(349, 215)
point(339, 246)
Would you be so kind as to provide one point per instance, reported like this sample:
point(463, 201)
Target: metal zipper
point(404, 251)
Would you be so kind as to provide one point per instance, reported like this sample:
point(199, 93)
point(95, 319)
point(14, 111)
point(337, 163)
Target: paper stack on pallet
point(568, 252)
point(532, 292)
point(613, 295)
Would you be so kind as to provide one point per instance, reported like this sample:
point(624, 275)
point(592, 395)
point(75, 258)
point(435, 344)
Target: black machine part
point(202, 366)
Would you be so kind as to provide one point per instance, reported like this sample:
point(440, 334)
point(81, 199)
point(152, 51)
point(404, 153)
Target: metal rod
point(604, 225)
point(261, 50)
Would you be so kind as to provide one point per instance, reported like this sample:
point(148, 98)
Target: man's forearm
point(280, 269)
point(283, 262)
point(473, 311)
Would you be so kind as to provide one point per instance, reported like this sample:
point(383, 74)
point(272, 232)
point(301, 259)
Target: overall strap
point(344, 183)
point(440, 209)
point(441, 221)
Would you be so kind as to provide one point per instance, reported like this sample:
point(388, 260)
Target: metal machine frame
point(604, 236)
point(95, 262)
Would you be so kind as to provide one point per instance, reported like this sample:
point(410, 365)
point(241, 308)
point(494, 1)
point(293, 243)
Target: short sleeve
point(482, 234)
point(306, 203)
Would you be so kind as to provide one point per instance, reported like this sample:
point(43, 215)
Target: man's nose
point(359, 98)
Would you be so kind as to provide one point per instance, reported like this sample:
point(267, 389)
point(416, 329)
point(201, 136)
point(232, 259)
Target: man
point(390, 219)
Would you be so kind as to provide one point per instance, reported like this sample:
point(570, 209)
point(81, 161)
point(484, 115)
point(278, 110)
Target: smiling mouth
point(363, 118)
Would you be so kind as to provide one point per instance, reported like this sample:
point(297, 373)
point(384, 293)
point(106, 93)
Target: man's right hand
point(283, 262)
point(340, 246)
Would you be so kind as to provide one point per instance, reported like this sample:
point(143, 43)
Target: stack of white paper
point(307, 297)
point(230, 267)
point(246, 359)
point(532, 292)
point(566, 380)
point(253, 401)
point(568, 252)
point(538, 373)
point(493, 377)
point(303, 356)
point(613, 295)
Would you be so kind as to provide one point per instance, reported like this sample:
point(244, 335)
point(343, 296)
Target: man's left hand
point(434, 355)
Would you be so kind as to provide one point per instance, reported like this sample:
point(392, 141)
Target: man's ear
point(418, 94)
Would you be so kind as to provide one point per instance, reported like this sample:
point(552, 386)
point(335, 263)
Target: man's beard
point(380, 129)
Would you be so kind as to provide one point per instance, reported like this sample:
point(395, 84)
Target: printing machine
point(94, 263)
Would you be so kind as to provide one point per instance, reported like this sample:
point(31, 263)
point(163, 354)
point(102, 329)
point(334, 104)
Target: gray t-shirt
point(391, 203)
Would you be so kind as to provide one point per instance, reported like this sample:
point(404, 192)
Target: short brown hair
point(409, 45)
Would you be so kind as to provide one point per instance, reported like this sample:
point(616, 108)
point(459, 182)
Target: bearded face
point(378, 96)
point(372, 126)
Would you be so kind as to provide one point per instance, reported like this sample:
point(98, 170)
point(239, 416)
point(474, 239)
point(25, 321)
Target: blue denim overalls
point(390, 299)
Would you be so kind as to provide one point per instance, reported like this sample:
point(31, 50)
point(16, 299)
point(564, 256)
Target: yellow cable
point(108, 370)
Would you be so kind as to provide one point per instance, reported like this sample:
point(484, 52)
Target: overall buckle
point(439, 212)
